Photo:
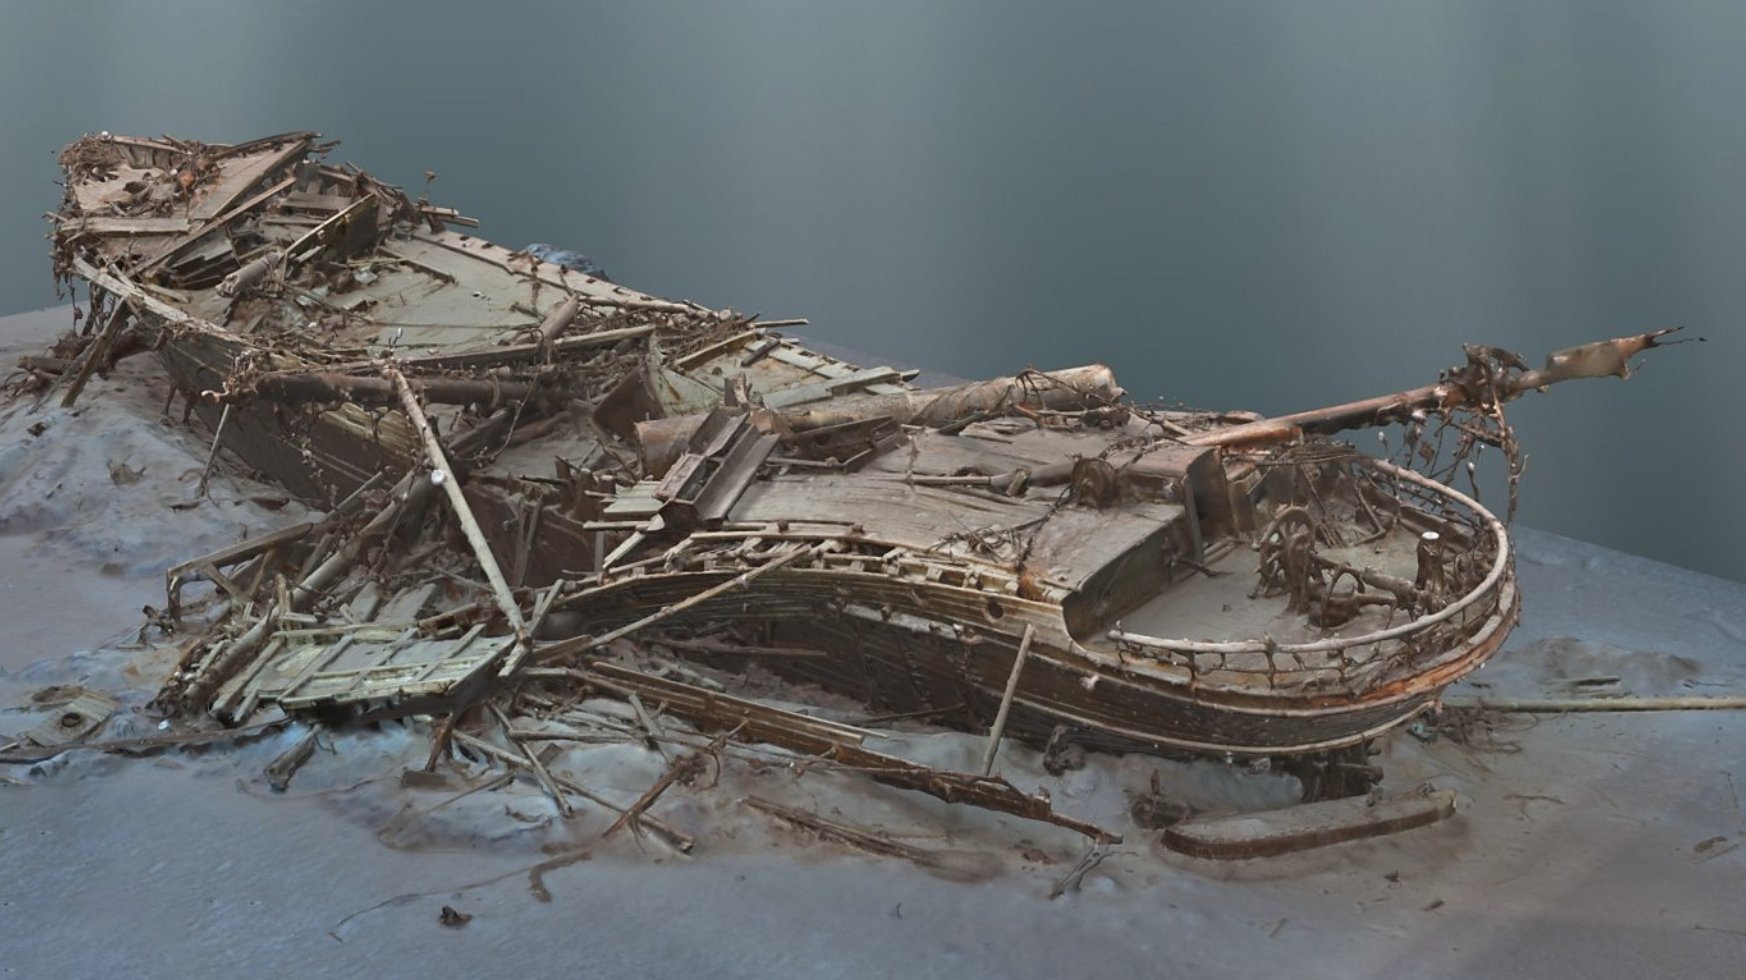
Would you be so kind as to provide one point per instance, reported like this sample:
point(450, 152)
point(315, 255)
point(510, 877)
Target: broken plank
point(683, 768)
point(752, 722)
point(94, 355)
point(238, 176)
point(1012, 682)
point(280, 771)
point(106, 225)
point(673, 838)
point(239, 552)
point(1309, 825)
point(955, 865)
point(74, 720)
point(816, 391)
point(197, 234)
point(24, 755)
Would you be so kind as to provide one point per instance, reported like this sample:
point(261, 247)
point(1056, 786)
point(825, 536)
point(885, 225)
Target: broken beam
point(443, 474)
point(1309, 825)
point(1012, 681)
point(752, 722)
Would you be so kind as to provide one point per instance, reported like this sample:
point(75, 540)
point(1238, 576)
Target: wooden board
point(1310, 825)
point(354, 669)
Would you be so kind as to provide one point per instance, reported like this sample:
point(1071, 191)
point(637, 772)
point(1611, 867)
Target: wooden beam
point(1012, 681)
point(1299, 828)
point(451, 486)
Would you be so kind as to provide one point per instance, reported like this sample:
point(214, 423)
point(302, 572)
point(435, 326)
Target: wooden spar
point(582, 644)
point(533, 763)
point(1266, 833)
point(1018, 666)
point(464, 514)
point(673, 838)
point(1068, 389)
point(861, 839)
point(1553, 706)
point(751, 722)
point(208, 564)
point(239, 552)
point(230, 659)
point(409, 492)
point(212, 454)
point(519, 757)
point(682, 768)
point(141, 299)
point(97, 352)
point(558, 321)
point(1065, 390)
point(1600, 359)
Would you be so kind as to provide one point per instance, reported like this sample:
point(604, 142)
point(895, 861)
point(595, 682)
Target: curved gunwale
point(875, 587)
point(1166, 691)
point(1494, 575)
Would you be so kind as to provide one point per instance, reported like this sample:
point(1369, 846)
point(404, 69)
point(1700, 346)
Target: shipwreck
point(1033, 556)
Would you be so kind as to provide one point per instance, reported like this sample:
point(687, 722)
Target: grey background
point(1259, 205)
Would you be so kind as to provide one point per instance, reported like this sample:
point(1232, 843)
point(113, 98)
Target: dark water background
point(1260, 205)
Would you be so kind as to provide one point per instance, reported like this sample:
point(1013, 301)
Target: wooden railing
point(1354, 663)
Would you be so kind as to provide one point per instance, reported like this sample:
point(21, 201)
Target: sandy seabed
point(1592, 845)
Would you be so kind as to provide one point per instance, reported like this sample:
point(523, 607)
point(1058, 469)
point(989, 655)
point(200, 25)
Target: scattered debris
point(1070, 882)
point(1154, 810)
point(1714, 847)
point(78, 715)
point(281, 769)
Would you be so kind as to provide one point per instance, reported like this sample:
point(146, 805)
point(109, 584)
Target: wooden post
point(1018, 666)
point(212, 454)
point(97, 352)
point(443, 475)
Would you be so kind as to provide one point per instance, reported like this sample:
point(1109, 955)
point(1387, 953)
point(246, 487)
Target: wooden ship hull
point(853, 580)
point(1033, 548)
